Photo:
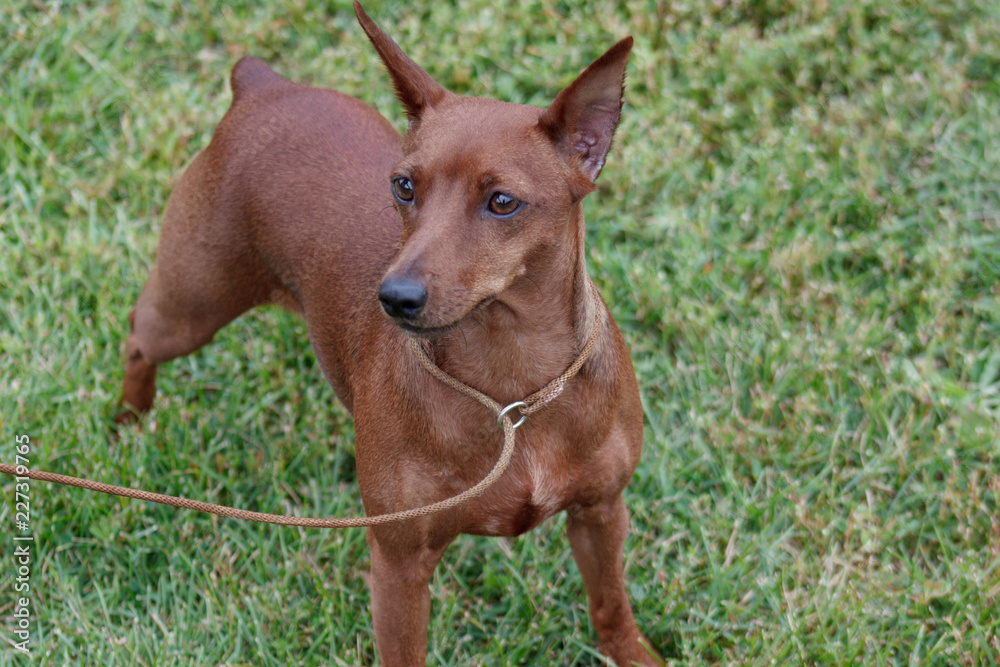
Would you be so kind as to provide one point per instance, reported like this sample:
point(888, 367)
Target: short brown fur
point(291, 204)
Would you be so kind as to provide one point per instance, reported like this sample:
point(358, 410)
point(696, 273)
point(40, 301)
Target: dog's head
point(486, 189)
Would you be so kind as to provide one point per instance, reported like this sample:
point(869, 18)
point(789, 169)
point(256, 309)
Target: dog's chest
point(560, 457)
point(539, 483)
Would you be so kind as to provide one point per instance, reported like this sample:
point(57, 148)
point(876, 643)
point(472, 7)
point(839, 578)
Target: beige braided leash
point(526, 407)
point(280, 519)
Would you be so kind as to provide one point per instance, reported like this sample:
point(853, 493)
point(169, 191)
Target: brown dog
point(469, 232)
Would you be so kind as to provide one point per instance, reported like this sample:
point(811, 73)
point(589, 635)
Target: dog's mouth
point(417, 330)
point(425, 332)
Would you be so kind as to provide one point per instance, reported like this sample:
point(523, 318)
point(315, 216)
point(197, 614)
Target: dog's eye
point(503, 204)
point(402, 187)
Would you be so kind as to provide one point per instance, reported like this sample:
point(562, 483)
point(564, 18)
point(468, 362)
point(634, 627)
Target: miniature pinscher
point(467, 233)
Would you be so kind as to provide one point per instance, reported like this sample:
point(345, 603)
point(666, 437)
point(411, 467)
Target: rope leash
point(279, 519)
point(526, 407)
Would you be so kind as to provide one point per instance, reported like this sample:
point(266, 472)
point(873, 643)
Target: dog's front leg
point(597, 535)
point(402, 566)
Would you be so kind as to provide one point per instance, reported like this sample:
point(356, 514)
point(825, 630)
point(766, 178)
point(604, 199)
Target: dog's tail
point(250, 76)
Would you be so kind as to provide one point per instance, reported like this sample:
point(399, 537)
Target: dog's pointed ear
point(414, 87)
point(582, 119)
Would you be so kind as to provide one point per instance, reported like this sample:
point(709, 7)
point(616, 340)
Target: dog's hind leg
point(164, 326)
point(204, 277)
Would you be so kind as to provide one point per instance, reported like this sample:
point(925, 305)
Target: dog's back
point(309, 170)
point(288, 204)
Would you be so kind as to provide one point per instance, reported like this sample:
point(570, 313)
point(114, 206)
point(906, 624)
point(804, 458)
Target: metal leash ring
point(503, 413)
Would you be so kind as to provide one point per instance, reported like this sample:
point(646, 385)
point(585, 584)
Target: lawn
point(798, 230)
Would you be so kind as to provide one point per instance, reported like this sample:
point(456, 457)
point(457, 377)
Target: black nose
point(402, 297)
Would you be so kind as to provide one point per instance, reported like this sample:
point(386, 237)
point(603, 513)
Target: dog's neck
point(533, 331)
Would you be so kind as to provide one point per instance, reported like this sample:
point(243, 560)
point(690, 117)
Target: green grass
point(798, 230)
